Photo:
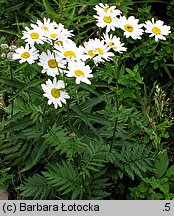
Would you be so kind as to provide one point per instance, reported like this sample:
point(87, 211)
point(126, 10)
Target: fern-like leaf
point(99, 186)
point(65, 178)
point(36, 187)
point(62, 142)
point(134, 160)
point(94, 158)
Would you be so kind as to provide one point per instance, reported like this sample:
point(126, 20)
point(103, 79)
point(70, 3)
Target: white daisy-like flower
point(69, 51)
point(107, 20)
point(52, 63)
point(63, 32)
point(114, 43)
point(45, 25)
point(61, 41)
point(26, 54)
point(131, 27)
point(54, 93)
point(58, 33)
point(52, 34)
point(157, 29)
point(51, 30)
point(80, 71)
point(105, 8)
point(97, 50)
point(32, 36)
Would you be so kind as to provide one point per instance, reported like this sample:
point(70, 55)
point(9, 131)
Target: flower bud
point(4, 46)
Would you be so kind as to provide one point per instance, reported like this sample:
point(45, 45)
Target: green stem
point(137, 48)
point(116, 61)
point(116, 120)
point(12, 102)
point(167, 71)
point(68, 116)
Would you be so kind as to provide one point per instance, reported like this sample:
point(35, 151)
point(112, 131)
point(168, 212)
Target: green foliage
point(161, 164)
point(66, 179)
point(63, 142)
point(159, 186)
point(5, 177)
point(36, 187)
point(134, 160)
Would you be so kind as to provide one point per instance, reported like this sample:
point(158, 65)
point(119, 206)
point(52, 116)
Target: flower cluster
point(111, 18)
point(63, 58)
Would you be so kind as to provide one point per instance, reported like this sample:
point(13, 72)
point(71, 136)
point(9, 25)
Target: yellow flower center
point(59, 42)
point(34, 35)
point(156, 30)
point(69, 54)
point(110, 43)
point(79, 73)
point(99, 50)
point(55, 93)
point(105, 9)
point(45, 28)
point(107, 19)
point(53, 35)
point(114, 47)
point(128, 28)
point(91, 53)
point(25, 55)
point(52, 63)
